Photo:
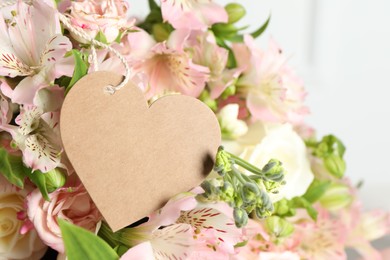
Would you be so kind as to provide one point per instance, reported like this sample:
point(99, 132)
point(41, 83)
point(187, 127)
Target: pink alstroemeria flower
point(321, 239)
point(204, 50)
point(170, 69)
point(5, 110)
point(193, 14)
point(32, 45)
point(199, 230)
point(273, 92)
point(365, 227)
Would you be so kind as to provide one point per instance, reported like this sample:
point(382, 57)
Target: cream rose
point(14, 245)
point(265, 142)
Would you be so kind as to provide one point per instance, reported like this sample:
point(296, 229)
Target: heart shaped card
point(131, 157)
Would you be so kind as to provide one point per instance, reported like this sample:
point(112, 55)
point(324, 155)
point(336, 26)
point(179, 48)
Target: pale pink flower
point(204, 50)
point(32, 45)
point(170, 69)
point(321, 239)
point(14, 243)
point(365, 227)
point(191, 230)
point(273, 92)
point(69, 203)
point(193, 14)
point(106, 16)
point(135, 45)
point(287, 255)
point(37, 134)
point(5, 110)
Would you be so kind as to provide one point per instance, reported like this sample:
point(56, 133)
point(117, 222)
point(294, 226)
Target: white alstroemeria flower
point(38, 138)
point(231, 126)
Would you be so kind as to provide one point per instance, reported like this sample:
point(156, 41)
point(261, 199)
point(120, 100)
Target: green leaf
point(154, 17)
point(38, 178)
point(260, 31)
point(82, 244)
point(80, 70)
point(100, 37)
point(300, 202)
point(153, 5)
point(121, 249)
point(232, 62)
point(12, 168)
point(316, 190)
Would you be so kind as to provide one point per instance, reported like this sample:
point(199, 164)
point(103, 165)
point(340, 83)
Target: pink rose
point(72, 204)
point(107, 16)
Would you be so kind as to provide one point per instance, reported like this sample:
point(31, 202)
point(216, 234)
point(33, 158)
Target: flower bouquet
point(276, 191)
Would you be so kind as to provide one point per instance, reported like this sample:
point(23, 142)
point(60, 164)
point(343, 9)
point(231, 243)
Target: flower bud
point(282, 207)
point(235, 12)
point(273, 170)
point(278, 227)
point(54, 179)
point(250, 192)
point(229, 91)
point(228, 191)
point(240, 217)
point(337, 196)
point(222, 162)
point(335, 165)
point(160, 32)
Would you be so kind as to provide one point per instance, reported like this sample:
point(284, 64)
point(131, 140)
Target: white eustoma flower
point(281, 142)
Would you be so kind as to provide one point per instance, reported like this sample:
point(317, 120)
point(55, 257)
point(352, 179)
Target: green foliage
point(15, 172)
point(82, 244)
point(316, 190)
point(301, 202)
point(81, 68)
point(331, 150)
point(38, 178)
point(12, 168)
point(100, 37)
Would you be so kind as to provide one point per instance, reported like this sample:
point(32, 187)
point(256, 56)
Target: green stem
point(106, 233)
point(237, 160)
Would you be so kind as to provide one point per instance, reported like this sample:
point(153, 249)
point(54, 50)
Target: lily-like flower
point(32, 46)
point(193, 14)
point(170, 69)
point(273, 92)
point(5, 110)
point(185, 229)
point(204, 50)
point(38, 138)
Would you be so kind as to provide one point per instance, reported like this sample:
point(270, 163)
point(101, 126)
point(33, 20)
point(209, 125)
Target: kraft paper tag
point(131, 157)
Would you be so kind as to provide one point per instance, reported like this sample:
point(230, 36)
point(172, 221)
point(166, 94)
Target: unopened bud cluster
point(246, 193)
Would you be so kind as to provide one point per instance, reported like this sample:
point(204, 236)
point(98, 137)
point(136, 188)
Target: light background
point(341, 48)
